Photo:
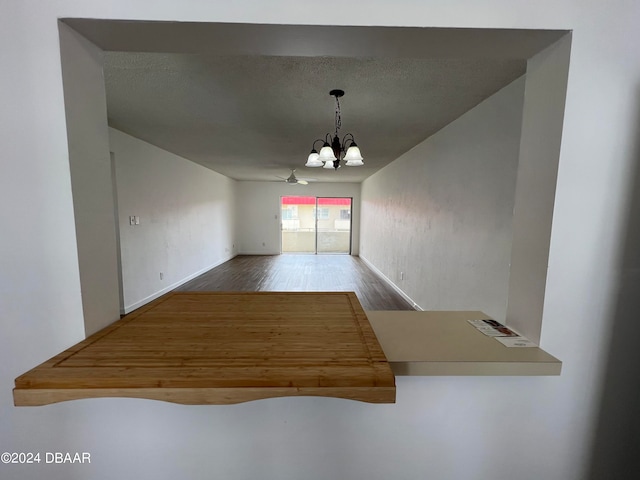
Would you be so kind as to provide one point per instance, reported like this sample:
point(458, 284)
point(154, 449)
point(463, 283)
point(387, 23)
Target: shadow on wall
point(616, 447)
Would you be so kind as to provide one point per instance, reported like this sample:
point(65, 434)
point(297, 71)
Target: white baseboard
point(153, 296)
point(258, 253)
point(390, 283)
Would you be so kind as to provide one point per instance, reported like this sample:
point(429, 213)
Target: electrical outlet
point(401, 275)
point(161, 275)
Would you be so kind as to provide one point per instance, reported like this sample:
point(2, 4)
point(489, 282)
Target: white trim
point(167, 289)
point(391, 284)
point(259, 253)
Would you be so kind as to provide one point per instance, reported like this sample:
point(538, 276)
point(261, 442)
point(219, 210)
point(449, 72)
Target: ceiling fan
point(293, 180)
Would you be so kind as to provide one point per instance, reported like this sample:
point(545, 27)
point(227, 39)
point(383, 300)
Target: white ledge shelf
point(444, 343)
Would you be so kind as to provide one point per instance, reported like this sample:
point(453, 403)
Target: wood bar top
point(223, 348)
point(444, 343)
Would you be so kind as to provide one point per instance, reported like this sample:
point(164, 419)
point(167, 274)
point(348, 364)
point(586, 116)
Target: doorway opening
point(315, 224)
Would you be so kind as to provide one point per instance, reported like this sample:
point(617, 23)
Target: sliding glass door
point(298, 224)
point(315, 224)
point(333, 225)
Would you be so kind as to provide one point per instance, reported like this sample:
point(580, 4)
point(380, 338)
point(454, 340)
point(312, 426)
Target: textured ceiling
point(251, 108)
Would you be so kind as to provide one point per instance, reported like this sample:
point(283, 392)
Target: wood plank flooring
point(301, 273)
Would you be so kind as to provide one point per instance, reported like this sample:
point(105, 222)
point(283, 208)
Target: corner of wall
point(542, 123)
point(91, 182)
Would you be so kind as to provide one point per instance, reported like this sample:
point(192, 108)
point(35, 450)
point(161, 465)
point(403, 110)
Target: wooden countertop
point(231, 347)
point(221, 348)
point(444, 343)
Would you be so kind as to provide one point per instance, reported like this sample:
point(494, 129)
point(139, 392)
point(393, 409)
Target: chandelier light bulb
point(326, 153)
point(353, 156)
point(314, 159)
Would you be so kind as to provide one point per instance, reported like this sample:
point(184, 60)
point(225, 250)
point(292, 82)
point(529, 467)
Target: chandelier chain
point(338, 116)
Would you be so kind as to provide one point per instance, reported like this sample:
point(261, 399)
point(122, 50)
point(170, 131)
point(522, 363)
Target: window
point(315, 224)
point(290, 212)
point(322, 212)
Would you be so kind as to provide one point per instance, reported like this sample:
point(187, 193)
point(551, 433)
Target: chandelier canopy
point(333, 150)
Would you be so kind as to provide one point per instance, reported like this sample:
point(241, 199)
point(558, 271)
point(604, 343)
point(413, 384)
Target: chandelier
point(331, 153)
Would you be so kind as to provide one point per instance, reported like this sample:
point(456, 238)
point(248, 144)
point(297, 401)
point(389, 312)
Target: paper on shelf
point(503, 334)
point(516, 342)
point(492, 328)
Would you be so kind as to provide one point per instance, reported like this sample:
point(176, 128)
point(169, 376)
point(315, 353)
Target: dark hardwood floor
point(301, 273)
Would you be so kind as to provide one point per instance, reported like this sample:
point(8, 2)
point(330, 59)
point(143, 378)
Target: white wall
point(543, 114)
point(259, 211)
point(86, 116)
point(441, 213)
point(186, 213)
point(442, 428)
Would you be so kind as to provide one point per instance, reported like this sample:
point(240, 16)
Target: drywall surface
point(441, 428)
point(437, 221)
point(185, 215)
point(90, 164)
point(258, 220)
point(543, 113)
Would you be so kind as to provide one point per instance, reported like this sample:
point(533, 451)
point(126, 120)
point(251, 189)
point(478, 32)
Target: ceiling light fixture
point(331, 153)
